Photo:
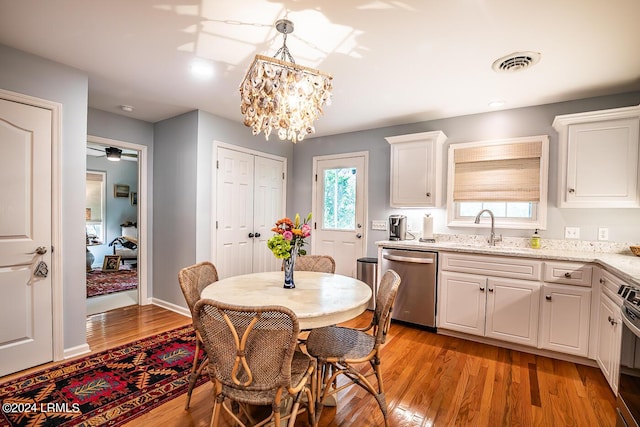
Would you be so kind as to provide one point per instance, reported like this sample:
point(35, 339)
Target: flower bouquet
point(287, 243)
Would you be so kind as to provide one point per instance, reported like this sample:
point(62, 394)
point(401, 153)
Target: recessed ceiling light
point(201, 69)
point(127, 108)
point(496, 103)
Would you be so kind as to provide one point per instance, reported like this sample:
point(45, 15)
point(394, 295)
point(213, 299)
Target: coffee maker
point(397, 227)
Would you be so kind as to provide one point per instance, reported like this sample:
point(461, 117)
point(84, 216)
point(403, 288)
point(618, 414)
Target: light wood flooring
point(430, 379)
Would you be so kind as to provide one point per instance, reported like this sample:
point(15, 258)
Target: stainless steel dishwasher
point(416, 300)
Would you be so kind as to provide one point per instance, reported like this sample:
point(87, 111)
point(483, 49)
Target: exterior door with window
point(26, 337)
point(339, 217)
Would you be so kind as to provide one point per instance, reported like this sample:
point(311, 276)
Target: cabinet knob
point(602, 281)
point(567, 275)
point(548, 297)
point(428, 194)
point(612, 321)
point(251, 235)
point(571, 190)
point(257, 234)
point(490, 289)
point(481, 289)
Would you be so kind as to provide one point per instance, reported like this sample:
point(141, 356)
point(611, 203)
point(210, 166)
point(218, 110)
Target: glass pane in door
point(339, 199)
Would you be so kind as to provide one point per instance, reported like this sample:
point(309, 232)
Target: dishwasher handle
point(414, 260)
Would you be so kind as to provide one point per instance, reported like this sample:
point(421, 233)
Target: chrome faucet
point(492, 239)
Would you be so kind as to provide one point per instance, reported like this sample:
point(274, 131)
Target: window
point(95, 206)
point(339, 199)
point(508, 177)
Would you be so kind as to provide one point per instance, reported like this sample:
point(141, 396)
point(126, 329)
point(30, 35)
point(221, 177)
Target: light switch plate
point(603, 233)
point(379, 225)
point(572, 232)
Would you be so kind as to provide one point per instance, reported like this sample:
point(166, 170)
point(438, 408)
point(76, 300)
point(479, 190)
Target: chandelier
point(279, 95)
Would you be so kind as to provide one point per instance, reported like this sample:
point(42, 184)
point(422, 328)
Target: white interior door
point(25, 224)
point(234, 213)
point(268, 208)
point(250, 199)
point(339, 216)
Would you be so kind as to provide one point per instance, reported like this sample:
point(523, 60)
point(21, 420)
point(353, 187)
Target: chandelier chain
point(284, 53)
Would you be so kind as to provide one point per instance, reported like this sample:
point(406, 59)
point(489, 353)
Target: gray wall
point(118, 210)
point(31, 75)
point(623, 224)
point(183, 218)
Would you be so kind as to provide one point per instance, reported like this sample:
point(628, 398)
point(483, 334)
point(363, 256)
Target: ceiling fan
point(114, 153)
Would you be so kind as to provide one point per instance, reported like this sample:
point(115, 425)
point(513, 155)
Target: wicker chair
point(319, 263)
point(192, 281)
point(253, 361)
point(339, 349)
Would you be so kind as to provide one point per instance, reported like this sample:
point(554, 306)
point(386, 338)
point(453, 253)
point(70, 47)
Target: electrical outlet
point(572, 232)
point(379, 225)
point(603, 233)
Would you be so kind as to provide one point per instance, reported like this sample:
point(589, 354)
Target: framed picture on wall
point(120, 190)
point(133, 197)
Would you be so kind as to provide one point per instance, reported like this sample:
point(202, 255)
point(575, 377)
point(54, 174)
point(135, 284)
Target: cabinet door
point(512, 310)
point(598, 158)
point(416, 169)
point(565, 319)
point(462, 302)
point(609, 339)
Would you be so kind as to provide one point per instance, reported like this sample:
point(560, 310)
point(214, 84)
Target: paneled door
point(249, 199)
point(339, 216)
point(25, 236)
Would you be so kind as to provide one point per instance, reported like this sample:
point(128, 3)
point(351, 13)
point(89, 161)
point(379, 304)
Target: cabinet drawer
point(569, 273)
point(611, 283)
point(515, 268)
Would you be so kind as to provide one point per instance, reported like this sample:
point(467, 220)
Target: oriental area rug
point(108, 388)
point(108, 282)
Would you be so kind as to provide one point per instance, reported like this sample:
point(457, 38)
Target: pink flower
point(306, 230)
point(287, 235)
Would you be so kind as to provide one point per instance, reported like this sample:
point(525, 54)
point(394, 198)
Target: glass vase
point(289, 264)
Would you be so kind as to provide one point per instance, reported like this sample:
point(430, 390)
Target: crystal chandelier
point(279, 95)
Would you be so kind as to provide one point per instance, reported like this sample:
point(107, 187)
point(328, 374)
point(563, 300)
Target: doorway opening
point(114, 221)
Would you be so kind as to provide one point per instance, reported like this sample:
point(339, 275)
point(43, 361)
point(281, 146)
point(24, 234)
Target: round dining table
point(319, 299)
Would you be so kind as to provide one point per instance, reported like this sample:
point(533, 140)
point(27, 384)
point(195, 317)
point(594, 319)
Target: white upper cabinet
point(416, 170)
point(598, 159)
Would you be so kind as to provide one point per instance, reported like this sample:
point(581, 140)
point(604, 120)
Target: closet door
point(249, 200)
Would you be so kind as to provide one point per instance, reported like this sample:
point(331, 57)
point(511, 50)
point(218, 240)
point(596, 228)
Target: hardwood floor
point(430, 380)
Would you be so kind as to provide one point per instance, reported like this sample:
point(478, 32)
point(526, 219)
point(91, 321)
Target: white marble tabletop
point(319, 299)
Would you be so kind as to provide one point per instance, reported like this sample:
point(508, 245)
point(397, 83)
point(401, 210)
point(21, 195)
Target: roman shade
point(506, 172)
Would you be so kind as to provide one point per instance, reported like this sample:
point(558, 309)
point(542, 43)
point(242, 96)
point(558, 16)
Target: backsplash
point(554, 244)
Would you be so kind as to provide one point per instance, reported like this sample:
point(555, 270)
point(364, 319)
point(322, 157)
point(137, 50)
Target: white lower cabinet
point(564, 321)
point(609, 339)
point(500, 308)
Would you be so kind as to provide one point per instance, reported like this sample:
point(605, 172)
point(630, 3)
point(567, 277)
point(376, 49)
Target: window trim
point(505, 223)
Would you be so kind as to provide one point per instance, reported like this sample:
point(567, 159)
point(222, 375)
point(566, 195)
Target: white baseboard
point(76, 351)
point(171, 306)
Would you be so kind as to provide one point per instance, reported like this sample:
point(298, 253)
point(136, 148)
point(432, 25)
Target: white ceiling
point(393, 62)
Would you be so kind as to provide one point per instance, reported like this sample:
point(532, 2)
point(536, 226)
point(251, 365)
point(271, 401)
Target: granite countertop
point(623, 264)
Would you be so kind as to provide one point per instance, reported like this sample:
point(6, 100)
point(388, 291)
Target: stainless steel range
point(628, 400)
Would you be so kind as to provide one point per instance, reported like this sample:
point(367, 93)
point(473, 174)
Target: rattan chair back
point(318, 263)
point(385, 298)
point(194, 279)
point(249, 348)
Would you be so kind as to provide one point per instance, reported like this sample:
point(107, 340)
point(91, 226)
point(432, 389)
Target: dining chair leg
point(194, 368)
point(217, 405)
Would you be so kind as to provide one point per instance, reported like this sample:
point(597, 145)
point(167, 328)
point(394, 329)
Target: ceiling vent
point(516, 61)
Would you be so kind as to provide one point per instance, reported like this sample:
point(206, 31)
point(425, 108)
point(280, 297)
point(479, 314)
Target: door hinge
point(316, 178)
point(315, 225)
point(217, 164)
point(216, 225)
point(283, 176)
